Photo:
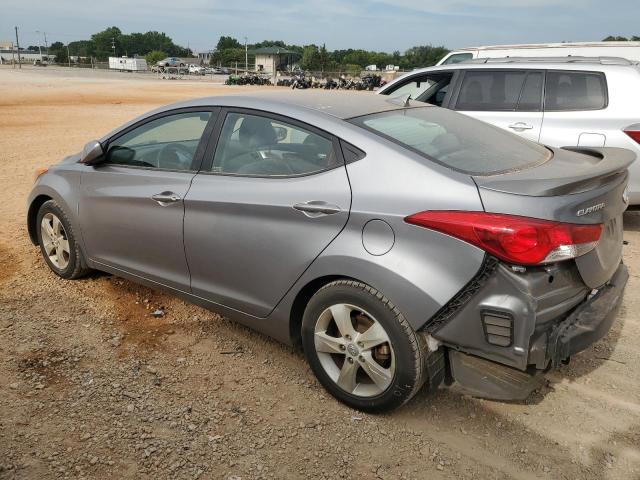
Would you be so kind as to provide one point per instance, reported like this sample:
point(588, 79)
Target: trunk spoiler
point(570, 170)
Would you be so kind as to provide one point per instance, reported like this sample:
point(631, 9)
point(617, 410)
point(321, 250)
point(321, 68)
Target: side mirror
point(92, 153)
point(281, 133)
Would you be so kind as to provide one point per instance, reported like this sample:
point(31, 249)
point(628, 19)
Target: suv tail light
point(514, 239)
point(634, 132)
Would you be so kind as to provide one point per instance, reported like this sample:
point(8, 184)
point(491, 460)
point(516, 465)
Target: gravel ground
point(93, 386)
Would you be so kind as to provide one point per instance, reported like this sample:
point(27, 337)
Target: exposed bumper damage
point(518, 323)
point(590, 321)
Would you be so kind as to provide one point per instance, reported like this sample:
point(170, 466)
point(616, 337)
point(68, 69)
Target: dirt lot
point(92, 386)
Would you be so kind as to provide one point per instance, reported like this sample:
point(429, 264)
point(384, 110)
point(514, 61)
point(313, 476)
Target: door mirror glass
point(120, 155)
point(92, 153)
point(281, 133)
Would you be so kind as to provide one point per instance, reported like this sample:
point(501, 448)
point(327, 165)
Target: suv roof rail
point(567, 59)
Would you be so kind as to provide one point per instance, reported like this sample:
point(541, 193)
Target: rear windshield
point(455, 140)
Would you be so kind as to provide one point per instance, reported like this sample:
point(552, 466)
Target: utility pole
point(68, 56)
point(46, 44)
point(113, 45)
point(246, 56)
point(13, 56)
point(18, 46)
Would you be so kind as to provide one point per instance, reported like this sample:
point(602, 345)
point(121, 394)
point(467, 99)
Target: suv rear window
point(568, 91)
point(455, 141)
point(505, 90)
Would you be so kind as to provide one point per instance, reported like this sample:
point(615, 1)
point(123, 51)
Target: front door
point(273, 197)
point(509, 99)
point(132, 205)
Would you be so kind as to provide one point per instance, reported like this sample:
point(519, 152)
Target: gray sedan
point(400, 245)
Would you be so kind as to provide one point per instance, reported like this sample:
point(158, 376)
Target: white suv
point(564, 101)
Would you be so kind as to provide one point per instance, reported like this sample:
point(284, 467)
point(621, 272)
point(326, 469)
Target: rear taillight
point(514, 239)
point(634, 132)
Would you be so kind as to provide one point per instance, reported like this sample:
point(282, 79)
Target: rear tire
point(362, 349)
point(58, 242)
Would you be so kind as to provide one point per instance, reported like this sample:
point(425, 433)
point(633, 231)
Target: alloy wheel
point(355, 350)
point(55, 241)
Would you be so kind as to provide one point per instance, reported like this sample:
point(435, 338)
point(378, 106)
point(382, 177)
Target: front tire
point(361, 348)
point(58, 243)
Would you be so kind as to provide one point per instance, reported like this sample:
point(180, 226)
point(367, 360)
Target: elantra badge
point(591, 209)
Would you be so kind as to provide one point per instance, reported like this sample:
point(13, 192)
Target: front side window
point(431, 88)
point(455, 141)
point(531, 95)
point(167, 143)
point(264, 146)
point(568, 91)
point(483, 90)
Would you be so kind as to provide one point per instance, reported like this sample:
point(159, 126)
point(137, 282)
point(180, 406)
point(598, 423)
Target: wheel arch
point(32, 215)
point(300, 302)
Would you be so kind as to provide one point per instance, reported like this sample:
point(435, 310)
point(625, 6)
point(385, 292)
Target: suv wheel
point(361, 348)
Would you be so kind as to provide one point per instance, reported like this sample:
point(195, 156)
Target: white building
point(10, 55)
point(271, 59)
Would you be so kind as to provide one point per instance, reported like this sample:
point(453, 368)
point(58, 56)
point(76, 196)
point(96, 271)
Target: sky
point(384, 25)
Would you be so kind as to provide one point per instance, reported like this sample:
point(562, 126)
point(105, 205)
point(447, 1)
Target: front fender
point(62, 186)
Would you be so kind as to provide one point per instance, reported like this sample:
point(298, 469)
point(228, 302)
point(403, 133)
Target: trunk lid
point(576, 185)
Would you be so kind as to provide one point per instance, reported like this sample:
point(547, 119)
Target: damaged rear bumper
point(544, 337)
point(589, 322)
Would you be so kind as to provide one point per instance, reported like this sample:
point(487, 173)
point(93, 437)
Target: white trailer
point(628, 50)
point(127, 64)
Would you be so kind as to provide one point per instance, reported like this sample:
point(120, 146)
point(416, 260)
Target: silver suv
point(564, 101)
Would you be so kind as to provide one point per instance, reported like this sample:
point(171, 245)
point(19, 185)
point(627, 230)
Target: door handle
point(521, 126)
point(166, 198)
point(316, 208)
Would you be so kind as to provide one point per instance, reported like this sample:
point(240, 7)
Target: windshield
point(455, 140)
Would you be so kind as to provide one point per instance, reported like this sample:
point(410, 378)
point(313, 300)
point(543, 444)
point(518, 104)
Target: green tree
point(82, 48)
point(612, 38)
point(226, 43)
point(154, 57)
point(59, 51)
point(422, 56)
point(228, 57)
point(103, 42)
point(323, 58)
point(310, 57)
point(269, 43)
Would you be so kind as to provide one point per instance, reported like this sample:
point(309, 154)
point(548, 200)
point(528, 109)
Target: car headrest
point(257, 132)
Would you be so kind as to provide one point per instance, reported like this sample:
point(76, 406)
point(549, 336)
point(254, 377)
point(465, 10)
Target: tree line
point(155, 46)
point(613, 38)
point(317, 58)
point(112, 41)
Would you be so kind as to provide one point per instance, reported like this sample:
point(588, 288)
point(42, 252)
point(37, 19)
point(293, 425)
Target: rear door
point(573, 106)
point(271, 195)
point(509, 99)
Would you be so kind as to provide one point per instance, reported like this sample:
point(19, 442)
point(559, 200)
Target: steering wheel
point(169, 155)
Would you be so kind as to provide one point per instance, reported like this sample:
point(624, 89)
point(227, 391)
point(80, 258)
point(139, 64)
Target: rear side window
point(568, 91)
point(455, 141)
point(263, 146)
point(511, 90)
